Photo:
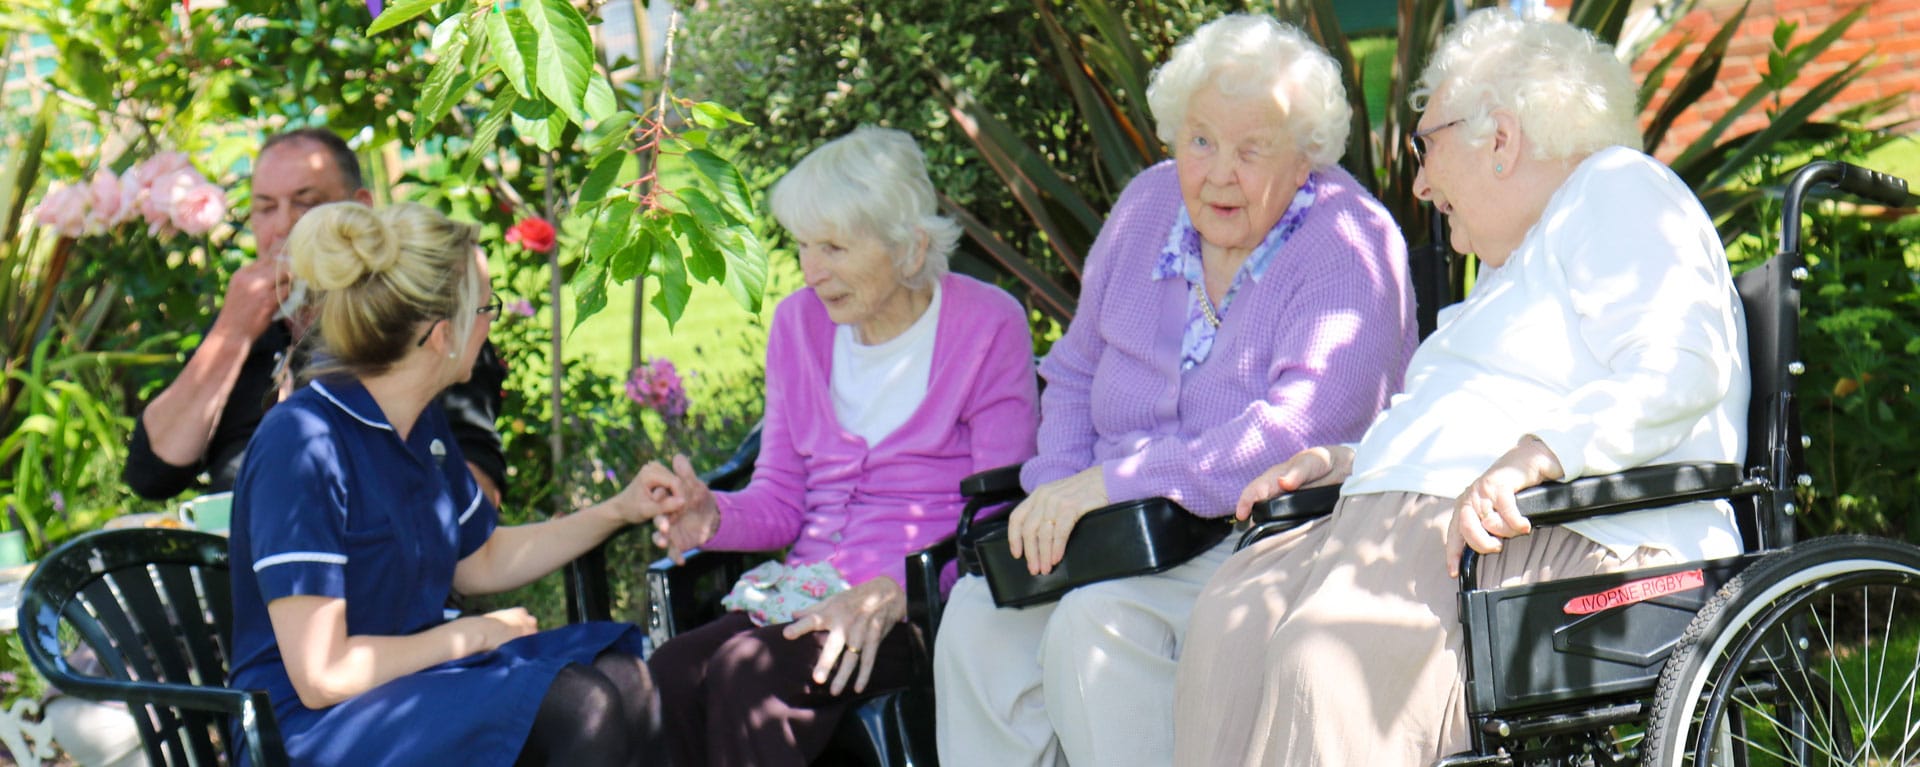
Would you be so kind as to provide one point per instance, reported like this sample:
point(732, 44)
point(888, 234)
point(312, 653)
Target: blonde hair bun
point(337, 245)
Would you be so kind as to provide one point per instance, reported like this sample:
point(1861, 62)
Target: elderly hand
point(1037, 529)
point(856, 620)
point(688, 516)
point(1312, 467)
point(644, 498)
point(1486, 512)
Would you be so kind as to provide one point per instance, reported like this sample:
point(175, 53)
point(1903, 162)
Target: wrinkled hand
point(1486, 512)
point(1312, 467)
point(688, 516)
point(643, 499)
point(253, 295)
point(1038, 528)
point(856, 620)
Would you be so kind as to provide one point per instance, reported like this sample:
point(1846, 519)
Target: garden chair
point(1789, 654)
point(154, 606)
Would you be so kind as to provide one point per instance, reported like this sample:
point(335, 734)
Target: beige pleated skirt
point(1339, 643)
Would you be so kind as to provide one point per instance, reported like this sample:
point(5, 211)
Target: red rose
point(534, 234)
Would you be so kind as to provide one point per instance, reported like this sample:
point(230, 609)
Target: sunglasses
point(494, 306)
point(1416, 141)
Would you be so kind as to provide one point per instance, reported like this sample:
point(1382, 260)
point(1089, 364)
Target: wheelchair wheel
point(1809, 657)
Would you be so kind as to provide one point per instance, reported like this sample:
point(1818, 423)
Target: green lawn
point(714, 338)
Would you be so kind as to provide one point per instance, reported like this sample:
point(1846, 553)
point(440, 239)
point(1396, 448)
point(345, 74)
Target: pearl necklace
point(1206, 305)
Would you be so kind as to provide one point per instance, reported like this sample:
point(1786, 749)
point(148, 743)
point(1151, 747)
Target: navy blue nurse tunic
point(331, 502)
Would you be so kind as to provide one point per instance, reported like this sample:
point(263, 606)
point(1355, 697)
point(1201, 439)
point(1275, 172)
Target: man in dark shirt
point(201, 422)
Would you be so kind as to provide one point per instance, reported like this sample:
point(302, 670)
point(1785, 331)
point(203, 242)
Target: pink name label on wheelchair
point(1637, 591)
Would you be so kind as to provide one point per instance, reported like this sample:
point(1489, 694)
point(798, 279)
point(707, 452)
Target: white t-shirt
point(877, 388)
point(1613, 333)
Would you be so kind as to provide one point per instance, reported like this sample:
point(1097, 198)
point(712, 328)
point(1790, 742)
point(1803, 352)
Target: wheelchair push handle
point(1860, 182)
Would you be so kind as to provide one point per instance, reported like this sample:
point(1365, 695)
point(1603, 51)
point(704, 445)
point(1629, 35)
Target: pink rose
point(106, 204)
point(144, 174)
point(199, 209)
point(163, 195)
point(65, 210)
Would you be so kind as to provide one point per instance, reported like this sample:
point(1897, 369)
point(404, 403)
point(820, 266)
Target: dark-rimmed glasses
point(494, 306)
point(1416, 139)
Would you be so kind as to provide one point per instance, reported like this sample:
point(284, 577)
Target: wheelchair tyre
point(1809, 657)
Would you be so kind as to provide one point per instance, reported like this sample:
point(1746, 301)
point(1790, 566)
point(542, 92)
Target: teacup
point(212, 512)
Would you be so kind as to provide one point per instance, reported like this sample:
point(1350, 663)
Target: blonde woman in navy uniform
point(355, 517)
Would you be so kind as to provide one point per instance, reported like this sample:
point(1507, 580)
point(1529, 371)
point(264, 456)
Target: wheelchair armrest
point(683, 597)
point(992, 482)
point(1666, 484)
point(1282, 513)
point(923, 583)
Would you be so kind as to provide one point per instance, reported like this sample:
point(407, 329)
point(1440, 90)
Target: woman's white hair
point(1244, 54)
point(1571, 94)
point(870, 183)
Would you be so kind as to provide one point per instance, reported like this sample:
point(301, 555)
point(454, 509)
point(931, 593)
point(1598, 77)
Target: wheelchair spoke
point(1783, 730)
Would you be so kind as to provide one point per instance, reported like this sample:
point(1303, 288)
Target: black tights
point(604, 715)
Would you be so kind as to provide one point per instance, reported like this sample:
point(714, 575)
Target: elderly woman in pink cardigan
point(1241, 302)
point(888, 381)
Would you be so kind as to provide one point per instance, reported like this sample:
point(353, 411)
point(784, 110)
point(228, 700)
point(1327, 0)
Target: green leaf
point(727, 180)
point(537, 119)
point(634, 259)
point(565, 60)
point(714, 115)
point(671, 270)
point(609, 134)
point(514, 48)
point(399, 13)
point(617, 168)
point(612, 231)
point(600, 103)
point(487, 134)
point(589, 285)
point(704, 261)
point(445, 83)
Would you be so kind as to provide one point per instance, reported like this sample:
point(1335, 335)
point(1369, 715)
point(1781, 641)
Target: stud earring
point(1498, 168)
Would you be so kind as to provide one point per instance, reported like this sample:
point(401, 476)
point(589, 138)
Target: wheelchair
point(1795, 653)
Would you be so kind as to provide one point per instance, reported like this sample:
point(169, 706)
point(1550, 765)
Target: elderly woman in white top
point(1155, 392)
point(1603, 333)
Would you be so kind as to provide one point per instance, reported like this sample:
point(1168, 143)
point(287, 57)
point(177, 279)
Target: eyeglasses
point(1416, 145)
point(494, 306)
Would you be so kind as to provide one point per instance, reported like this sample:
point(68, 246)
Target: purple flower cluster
point(657, 385)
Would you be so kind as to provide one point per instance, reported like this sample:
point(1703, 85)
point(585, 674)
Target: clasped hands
point(1483, 514)
point(685, 516)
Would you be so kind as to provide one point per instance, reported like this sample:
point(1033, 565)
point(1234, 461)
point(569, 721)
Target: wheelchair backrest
point(1770, 298)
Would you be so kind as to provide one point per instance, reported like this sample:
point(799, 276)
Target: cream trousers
point(1087, 680)
point(1339, 643)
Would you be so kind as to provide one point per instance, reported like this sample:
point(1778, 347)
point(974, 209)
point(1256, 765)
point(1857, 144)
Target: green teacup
point(212, 513)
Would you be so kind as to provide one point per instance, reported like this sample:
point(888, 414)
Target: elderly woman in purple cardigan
point(888, 381)
point(1244, 301)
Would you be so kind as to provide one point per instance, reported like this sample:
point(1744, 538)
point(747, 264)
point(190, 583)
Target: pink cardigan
point(832, 497)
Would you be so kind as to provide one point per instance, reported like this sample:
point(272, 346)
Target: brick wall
point(1891, 29)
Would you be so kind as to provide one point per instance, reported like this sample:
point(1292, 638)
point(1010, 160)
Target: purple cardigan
point(832, 497)
point(1306, 355)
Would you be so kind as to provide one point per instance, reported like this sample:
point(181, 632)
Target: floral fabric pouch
point(773, 592)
